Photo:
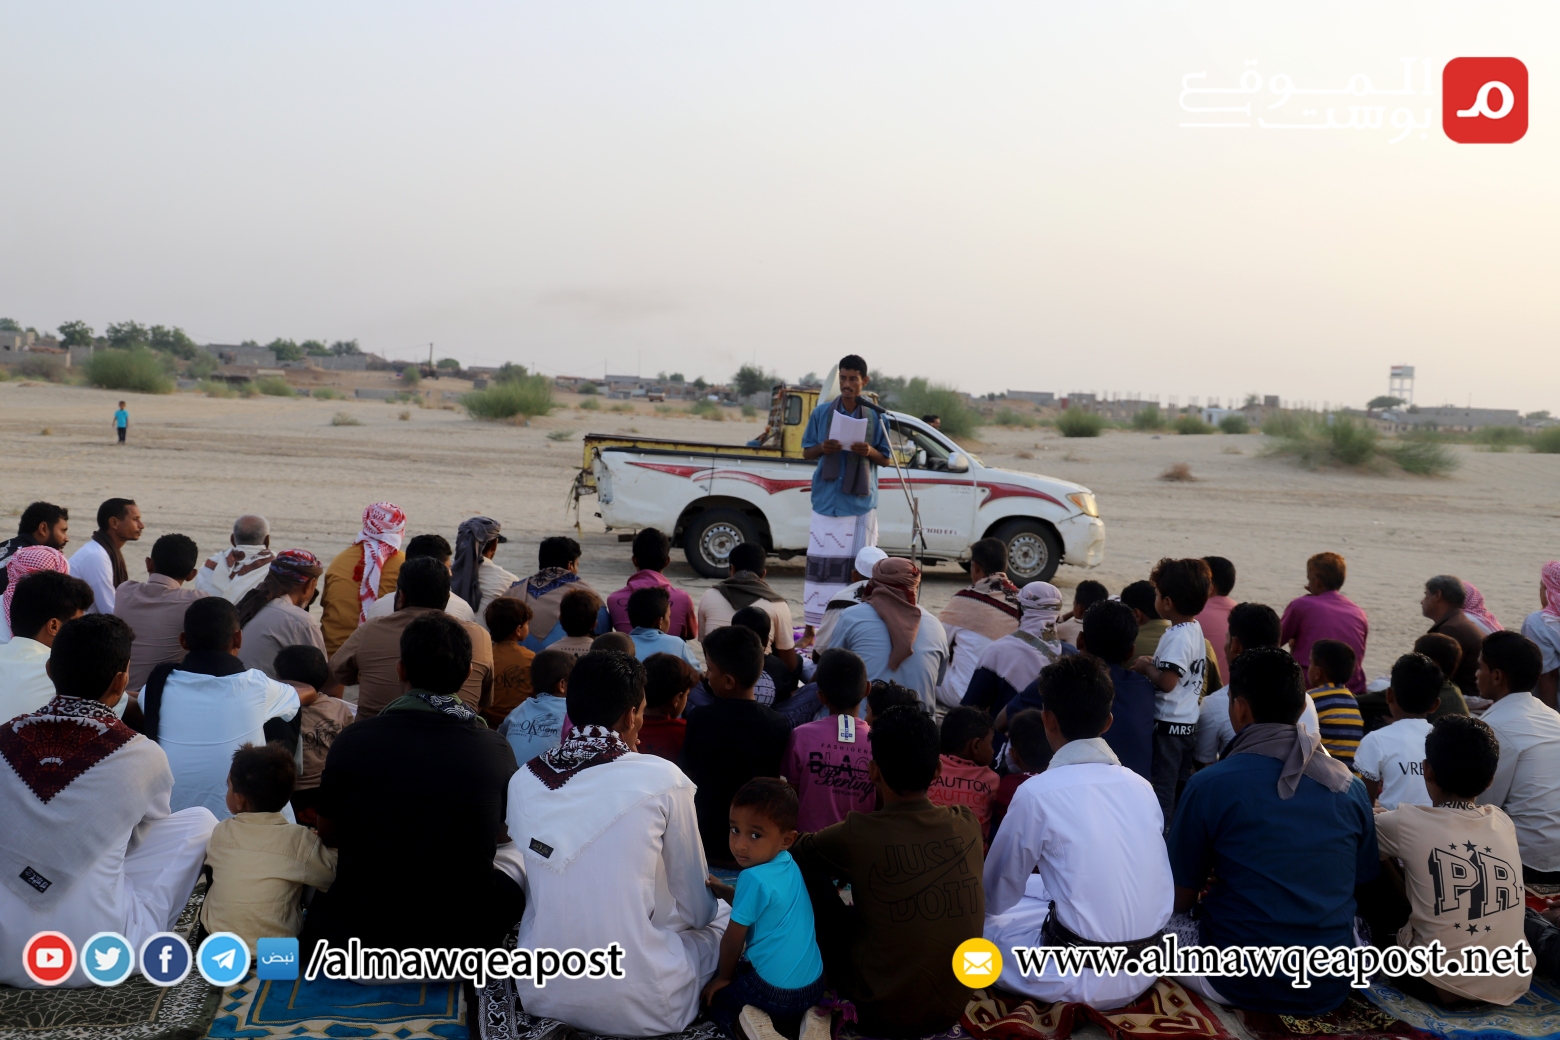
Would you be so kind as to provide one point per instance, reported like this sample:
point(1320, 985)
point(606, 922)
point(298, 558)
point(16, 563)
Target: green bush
point(586, 388)
point(1423, 456)
point(749, 412)
point(920, 397)
point(344, 419)
point(1075, 422)
point(590, 404)
point(1547, 440)
point(1150, 418)
point(624, 406)
point(327, 393)
point(707, 409)
point(216, 388)
point(1009, 417)
point(1191, 424)
point(410, 376)
point(273, 386)
point(1501, 438)
point(526, 395)
point(1314, 443)
point(1234, 424)
point(559, 435)
point(1286, 424)
point(1351, 443)
point(137, 369)
point(41, 366)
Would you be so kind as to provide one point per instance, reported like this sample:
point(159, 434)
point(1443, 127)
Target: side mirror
point(958, 462)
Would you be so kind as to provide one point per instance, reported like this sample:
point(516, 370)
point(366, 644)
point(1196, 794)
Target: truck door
point(947, 500)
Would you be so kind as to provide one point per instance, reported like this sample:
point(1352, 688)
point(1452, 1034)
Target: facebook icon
point(165, 959)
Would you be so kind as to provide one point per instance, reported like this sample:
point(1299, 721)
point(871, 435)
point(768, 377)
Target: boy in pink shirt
point(652, 552)
point(967, 778)
point(827, 760)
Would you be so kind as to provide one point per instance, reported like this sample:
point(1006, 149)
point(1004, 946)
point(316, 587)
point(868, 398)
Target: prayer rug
point(1535, 1014)
point(500, 1017)
point(1167, 1011)
point(331, 1009)
point(1356, 1019)
point(133, 1010)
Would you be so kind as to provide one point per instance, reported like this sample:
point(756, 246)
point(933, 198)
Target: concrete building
point(1040, 397)
point(238, 354)
point(1447, 417)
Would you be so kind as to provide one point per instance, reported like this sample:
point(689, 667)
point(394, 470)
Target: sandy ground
point(194, 463)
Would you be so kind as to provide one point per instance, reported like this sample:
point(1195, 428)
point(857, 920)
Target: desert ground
point(194, 463)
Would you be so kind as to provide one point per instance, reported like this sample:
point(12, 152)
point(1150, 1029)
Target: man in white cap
point(850, 595)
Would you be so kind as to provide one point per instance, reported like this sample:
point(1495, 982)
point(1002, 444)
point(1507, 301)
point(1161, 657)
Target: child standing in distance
point(1337, 712)
point(1177, 669)
point(1088, 593)
point(732, 740)
point(1390, 759)
point(826, 761)
point(764, 995)
point(1452, 843)
point(667, 682)
point(650, 614)
point(320, 723)
point(1029, 752)
point(122, 421)
point(509, 623)
point(967, 779)
point(537, 724)
point(259, 862)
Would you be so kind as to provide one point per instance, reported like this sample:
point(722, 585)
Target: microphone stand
point(917, 534)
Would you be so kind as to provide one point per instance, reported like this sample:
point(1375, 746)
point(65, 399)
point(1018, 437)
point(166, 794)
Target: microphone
point(869, 403)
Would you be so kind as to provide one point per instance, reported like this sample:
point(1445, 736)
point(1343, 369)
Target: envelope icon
point(977, 963)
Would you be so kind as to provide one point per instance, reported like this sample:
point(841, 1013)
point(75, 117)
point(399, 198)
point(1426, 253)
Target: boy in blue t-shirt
point(121, 421)
point(771, 914)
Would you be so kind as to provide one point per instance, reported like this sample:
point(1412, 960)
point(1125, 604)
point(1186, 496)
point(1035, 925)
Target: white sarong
point(832, 545)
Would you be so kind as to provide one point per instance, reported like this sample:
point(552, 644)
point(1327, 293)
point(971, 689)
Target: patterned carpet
point(134, 1010)
point(1537, 1014)
point(333, 1010)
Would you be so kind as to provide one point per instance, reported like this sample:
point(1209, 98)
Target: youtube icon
point(49, 958)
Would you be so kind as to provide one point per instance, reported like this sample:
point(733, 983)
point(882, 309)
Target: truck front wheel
point(1034, 552)
point(711, 536)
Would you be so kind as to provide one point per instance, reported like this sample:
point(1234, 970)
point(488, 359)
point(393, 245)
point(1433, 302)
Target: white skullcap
point(869, 558)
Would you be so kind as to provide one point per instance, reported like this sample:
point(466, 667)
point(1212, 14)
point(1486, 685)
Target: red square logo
point(1484, 100)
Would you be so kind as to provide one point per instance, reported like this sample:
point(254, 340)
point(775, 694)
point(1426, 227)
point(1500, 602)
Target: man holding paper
point(850, 441)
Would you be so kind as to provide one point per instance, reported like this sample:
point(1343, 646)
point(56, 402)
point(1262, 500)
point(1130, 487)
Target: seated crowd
point(493, 756)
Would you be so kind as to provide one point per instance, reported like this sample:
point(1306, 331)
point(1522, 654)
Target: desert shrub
point(1342, 442)
point(707, 409)
point(586, 388)
point(1010, 417)
point(1150, 418)
point(1075, 422)
point(1423, 456)
point(590, 404)
point(919, 397)
point(328, 393)
point(1351, 443)
point(273, 386)
point(410, 376)
point(344, 419)
point(1179, 471)
point(660, 409)
point(1234, 424)
point(1501, 438)
point(405, 416)
point(1187, 425)
point(1547, 440)
point(216, 388)
point(559, 435)
point(1285, 424)
point(527, 395)
point(624, 406)
point(749, 412)
point(137, 369)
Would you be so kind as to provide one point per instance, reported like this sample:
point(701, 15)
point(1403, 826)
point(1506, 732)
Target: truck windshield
point(917, 449)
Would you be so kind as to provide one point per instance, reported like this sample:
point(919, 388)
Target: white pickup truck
point(712, 497)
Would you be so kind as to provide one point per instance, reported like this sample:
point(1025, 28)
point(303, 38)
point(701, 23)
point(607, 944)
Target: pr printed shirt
point(1181, 649)
point(964, 783)
point(827, 762)
point(1394, 757)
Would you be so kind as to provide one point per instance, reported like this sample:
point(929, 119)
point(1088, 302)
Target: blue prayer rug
point(1535, 1014)
point(331, 1009)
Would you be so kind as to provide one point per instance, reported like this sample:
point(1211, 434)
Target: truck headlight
point(1085, 503)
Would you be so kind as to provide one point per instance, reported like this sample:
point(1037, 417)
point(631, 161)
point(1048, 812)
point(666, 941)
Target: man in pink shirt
point(652, 552)
point(1325, 613)
point(827, 760)
point(1215, 616)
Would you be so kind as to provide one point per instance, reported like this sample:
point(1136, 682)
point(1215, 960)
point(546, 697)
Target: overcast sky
point(993, 195)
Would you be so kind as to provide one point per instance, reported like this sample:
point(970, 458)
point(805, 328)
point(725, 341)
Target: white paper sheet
point(846, 430)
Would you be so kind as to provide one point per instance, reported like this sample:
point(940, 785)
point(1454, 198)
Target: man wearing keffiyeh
point(1543, 628)
point(362, 573)
point(593, 819)
point(893, 634)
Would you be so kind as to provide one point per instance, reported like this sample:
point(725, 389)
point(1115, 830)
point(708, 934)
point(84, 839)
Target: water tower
point(1401, 385)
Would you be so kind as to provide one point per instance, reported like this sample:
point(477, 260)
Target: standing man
point(42, 523)
point(122, 421)
point(844, 489)
point(101, 562)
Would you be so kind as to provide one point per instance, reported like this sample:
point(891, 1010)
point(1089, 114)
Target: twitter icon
point(223, 959)
point(107, 959)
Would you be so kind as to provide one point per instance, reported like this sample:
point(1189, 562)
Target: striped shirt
point(1338, 714)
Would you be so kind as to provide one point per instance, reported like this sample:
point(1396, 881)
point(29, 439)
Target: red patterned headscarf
point(31, 560)
point(1550, 576)
point(383, 526)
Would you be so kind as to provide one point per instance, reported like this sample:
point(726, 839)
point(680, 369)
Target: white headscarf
point(1018, 658)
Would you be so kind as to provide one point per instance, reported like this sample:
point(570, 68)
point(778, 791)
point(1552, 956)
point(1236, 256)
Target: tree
point(126, 334)
point(509, 372)
point(314, 348)
point(700, 384)
point(449, 363)
point(76, 334)
point(1384, 402)
point(286, 349)
point(676, 377)
point(172, 341)
point(345, 346)
point(1537, 415)
point(10, 325)
point(750, 379)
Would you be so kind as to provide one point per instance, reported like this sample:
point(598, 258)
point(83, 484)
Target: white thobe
point(1093, 830)
point(92, 565)
point(626, 866)
point(1527, 777)
point(964, 649)
point(455, 607)
point(24, 684)
point(205, 718)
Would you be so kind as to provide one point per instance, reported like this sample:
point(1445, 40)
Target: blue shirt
point(534, 726)
point(546, 639)
point(1284, 871)
point(648, 641)
point(1131, 733)
point(771, 902)
point(861, 631)
point(828, 496)
point(121, 418)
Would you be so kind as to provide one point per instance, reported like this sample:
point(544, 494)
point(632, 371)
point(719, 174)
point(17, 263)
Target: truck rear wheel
point(1034, 552)
point(711, 536)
